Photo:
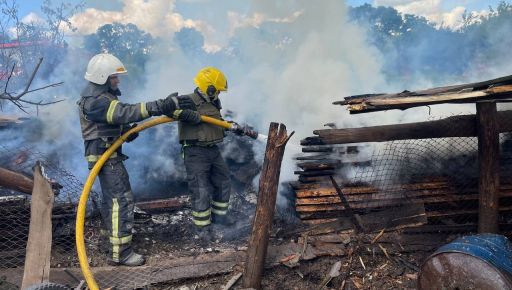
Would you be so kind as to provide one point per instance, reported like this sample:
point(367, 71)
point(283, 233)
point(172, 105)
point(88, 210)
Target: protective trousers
point(117, 208)
point(208, 182)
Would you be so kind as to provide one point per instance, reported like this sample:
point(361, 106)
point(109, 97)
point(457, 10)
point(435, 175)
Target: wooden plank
point(16, 181)
point(438, 90)
point(368, 204)
point(452, 212)
point(349, 190)
point(395, 218)
point(315, 157)
point(169, 203)
point(314, 172)
point(488, 161)
point(375, 197)
point(37, 260)
point(421, 98)
point(465, 124)
point(11, 121)
point(296, 185)
point(318, 149)
point(319, 165)
point(267, 194)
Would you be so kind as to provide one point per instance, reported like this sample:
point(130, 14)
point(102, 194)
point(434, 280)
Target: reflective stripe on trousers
point(201, 218)
point(117, 208)
point(220, 208)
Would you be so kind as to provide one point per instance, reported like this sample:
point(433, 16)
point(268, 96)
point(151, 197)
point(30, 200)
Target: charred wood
point(314, 172)
point(317, 149)
point(492, 90)
point(16, 181)
point(466, 127)
point(170, 203)
point(488, 160)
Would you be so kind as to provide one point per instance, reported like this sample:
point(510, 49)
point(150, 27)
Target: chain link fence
point(441, 174)
point(15, 214)
point(161, 235)
point(420, 193)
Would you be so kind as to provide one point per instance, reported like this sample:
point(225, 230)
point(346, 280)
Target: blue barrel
point(473, 262)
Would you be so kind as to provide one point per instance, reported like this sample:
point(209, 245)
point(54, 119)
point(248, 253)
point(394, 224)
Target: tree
point(127, 42)
point(24, 45)
point(190, 41)
point(413, 47)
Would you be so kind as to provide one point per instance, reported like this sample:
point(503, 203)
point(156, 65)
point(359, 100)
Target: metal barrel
point(473, 262)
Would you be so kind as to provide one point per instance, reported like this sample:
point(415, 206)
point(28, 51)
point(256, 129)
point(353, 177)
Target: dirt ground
point(168, 235)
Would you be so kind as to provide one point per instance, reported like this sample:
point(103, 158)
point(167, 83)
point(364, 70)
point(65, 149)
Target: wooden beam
point(39, 245)
point(408, 100)
point(447, 89)
point(465, 124)
point(16, 181)
point(267, 194)
point(169, 203)
point(488, 160)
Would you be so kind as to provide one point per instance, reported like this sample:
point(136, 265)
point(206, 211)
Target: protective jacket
point(202, 134)
point(207, 173)
point(103, 119)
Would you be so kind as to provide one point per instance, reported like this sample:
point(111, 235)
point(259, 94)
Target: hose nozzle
point(243, 130)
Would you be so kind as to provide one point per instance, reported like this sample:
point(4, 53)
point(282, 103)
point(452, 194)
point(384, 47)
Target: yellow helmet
point(211, 80)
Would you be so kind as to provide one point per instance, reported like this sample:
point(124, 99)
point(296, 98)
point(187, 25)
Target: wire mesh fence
point(421, 193)
point(160, 236)
point(15, 214)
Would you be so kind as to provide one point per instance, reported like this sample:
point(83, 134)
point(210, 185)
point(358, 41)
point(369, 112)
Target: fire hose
point(80, 216)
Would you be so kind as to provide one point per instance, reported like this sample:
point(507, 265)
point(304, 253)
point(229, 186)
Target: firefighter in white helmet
point(103, 119)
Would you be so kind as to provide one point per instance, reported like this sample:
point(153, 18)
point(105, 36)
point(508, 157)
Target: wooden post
point(37, 260)
point(262, 225)
point(488, 160)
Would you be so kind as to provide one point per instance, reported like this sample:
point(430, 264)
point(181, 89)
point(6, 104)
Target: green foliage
point(415, 48)
point(127, 42)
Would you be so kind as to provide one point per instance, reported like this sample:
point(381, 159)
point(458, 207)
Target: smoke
point(286, 62)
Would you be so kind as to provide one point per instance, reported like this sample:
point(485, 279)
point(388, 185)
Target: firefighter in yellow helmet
point(103, 119)
point(207, 173)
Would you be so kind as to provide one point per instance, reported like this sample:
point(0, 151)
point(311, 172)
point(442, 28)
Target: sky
point(192, 8)
point(216, 20)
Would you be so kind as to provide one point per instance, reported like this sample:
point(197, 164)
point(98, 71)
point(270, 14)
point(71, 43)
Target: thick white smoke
point(286, 62)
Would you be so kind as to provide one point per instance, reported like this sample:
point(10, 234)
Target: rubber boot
point(225, 220)
point(133, 259)
point(202, 233)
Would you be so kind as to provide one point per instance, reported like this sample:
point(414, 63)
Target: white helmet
point(103, 65)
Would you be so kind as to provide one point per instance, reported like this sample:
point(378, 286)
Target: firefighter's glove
point(132, 136)
point(168, 106)
point(188, 116)
point(186, 103)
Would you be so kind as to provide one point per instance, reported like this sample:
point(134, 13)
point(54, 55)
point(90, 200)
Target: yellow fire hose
point(80, 216)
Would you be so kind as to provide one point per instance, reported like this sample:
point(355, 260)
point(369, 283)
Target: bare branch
point(9, 77)
point(45, 87)
point(40, 103)
point(30, 80)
